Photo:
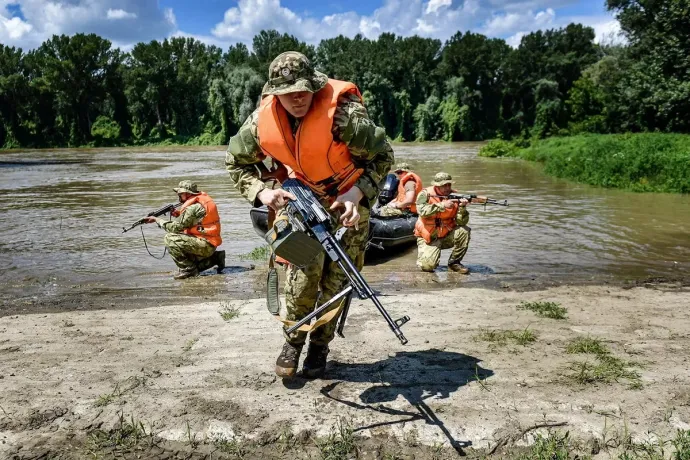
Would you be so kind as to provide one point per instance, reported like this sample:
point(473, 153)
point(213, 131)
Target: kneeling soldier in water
point(442, 224)
point(408, 188)
point(192, 238)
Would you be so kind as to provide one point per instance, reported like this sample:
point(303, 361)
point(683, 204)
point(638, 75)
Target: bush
point(498, 148)
point(105, 130)
point(649, 162)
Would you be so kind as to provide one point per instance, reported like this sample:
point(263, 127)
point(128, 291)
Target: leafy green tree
point(270, 43)
point(233, 97)
point(77, 70)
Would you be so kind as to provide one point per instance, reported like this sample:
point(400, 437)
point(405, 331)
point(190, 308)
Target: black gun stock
point(317, 223)
point(157, 213)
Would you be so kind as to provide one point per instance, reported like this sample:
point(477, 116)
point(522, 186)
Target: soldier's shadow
point(417, 376)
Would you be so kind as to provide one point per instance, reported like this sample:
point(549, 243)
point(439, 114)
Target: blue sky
point(26, 23)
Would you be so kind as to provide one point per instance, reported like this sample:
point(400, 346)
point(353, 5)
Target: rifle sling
point(273, 293)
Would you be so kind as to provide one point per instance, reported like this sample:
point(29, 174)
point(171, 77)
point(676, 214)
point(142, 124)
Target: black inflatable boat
point(384, 232)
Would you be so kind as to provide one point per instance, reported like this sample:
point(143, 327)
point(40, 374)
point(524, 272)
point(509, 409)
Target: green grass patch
point(232, 446)
point(605, 369)
point(587, 345)
point(551, 310)
point(503, 337)
point(644, 162)
point(127, 436)
point(677, 448)
point(554, 446)
point(260, 253)
point(228, 312)
point(340, 444)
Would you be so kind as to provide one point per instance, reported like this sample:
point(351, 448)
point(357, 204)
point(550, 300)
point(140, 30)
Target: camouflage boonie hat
point(290, 72)
point(442, 178)
point(401, 167)
point(186, 186)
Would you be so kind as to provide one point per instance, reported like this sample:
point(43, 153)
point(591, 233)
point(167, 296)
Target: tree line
point(79, 90)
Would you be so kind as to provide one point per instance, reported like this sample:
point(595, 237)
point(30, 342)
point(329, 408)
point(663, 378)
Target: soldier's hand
point(448, 204)
point(150, 220)
point(463, 202)
point(349, 201)
point(276, 199)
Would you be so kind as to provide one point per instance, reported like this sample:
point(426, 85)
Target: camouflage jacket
point(351, 124)
point(191, 216)
point(426, 209)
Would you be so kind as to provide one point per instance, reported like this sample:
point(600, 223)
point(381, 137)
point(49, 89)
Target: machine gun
point(168, 208)
point(307, 214)
point(472, 199)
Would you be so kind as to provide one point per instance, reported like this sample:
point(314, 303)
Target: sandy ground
point(195, 377)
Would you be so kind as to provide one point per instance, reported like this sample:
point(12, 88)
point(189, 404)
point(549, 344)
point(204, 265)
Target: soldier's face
point(445, 189)
point(297, 104)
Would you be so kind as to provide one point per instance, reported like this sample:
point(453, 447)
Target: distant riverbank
point(648, 162)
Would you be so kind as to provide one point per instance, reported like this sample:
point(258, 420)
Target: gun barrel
point(134, 225)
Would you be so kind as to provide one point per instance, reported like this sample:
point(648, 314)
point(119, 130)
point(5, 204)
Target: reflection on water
point(64, 211)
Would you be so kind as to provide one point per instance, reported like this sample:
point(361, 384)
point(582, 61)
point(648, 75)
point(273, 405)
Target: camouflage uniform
point(188, 252)
point(370, 150)
point(388, 210)
point(429, 255)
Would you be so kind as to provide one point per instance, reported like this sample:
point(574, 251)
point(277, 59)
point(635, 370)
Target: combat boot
point(315, 363)
point(188, 273)
point(458, 267)
point(220, 261)
point(288, 359)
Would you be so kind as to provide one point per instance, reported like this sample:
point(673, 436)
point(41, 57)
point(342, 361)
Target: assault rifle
point(316, 222)
point(168, 208)
point(472, 199)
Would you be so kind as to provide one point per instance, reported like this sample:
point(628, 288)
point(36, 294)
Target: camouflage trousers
point(429, 255)
point(189, 252)
point(320, 281)
point(390, 211)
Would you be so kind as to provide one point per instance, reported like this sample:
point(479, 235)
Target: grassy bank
point(649, 162)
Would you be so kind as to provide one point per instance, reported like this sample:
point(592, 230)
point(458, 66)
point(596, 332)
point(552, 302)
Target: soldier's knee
point(427, 265)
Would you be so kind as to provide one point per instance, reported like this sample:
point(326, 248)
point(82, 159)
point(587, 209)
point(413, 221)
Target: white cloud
point(508, 19)
point(435, 5)
point(42, 18)
point(12, 29)
point(512, 23)
point(120, 14)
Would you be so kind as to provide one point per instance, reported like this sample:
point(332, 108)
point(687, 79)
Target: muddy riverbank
point(478, 373)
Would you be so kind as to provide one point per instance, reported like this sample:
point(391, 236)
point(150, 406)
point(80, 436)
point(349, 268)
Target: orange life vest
point(408, 176)
point(437, 225)
point(311, 155)
point(209, 227)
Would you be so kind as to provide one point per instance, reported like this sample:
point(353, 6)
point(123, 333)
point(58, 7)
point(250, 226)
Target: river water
point(64, 210)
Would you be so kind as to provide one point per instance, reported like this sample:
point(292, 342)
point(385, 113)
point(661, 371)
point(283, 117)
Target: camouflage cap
point(290, 72)
point(402, 167)
point(186, 186)
point(442, 178)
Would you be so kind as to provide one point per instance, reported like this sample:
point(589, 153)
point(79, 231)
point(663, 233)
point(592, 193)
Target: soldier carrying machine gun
point(307, 216)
